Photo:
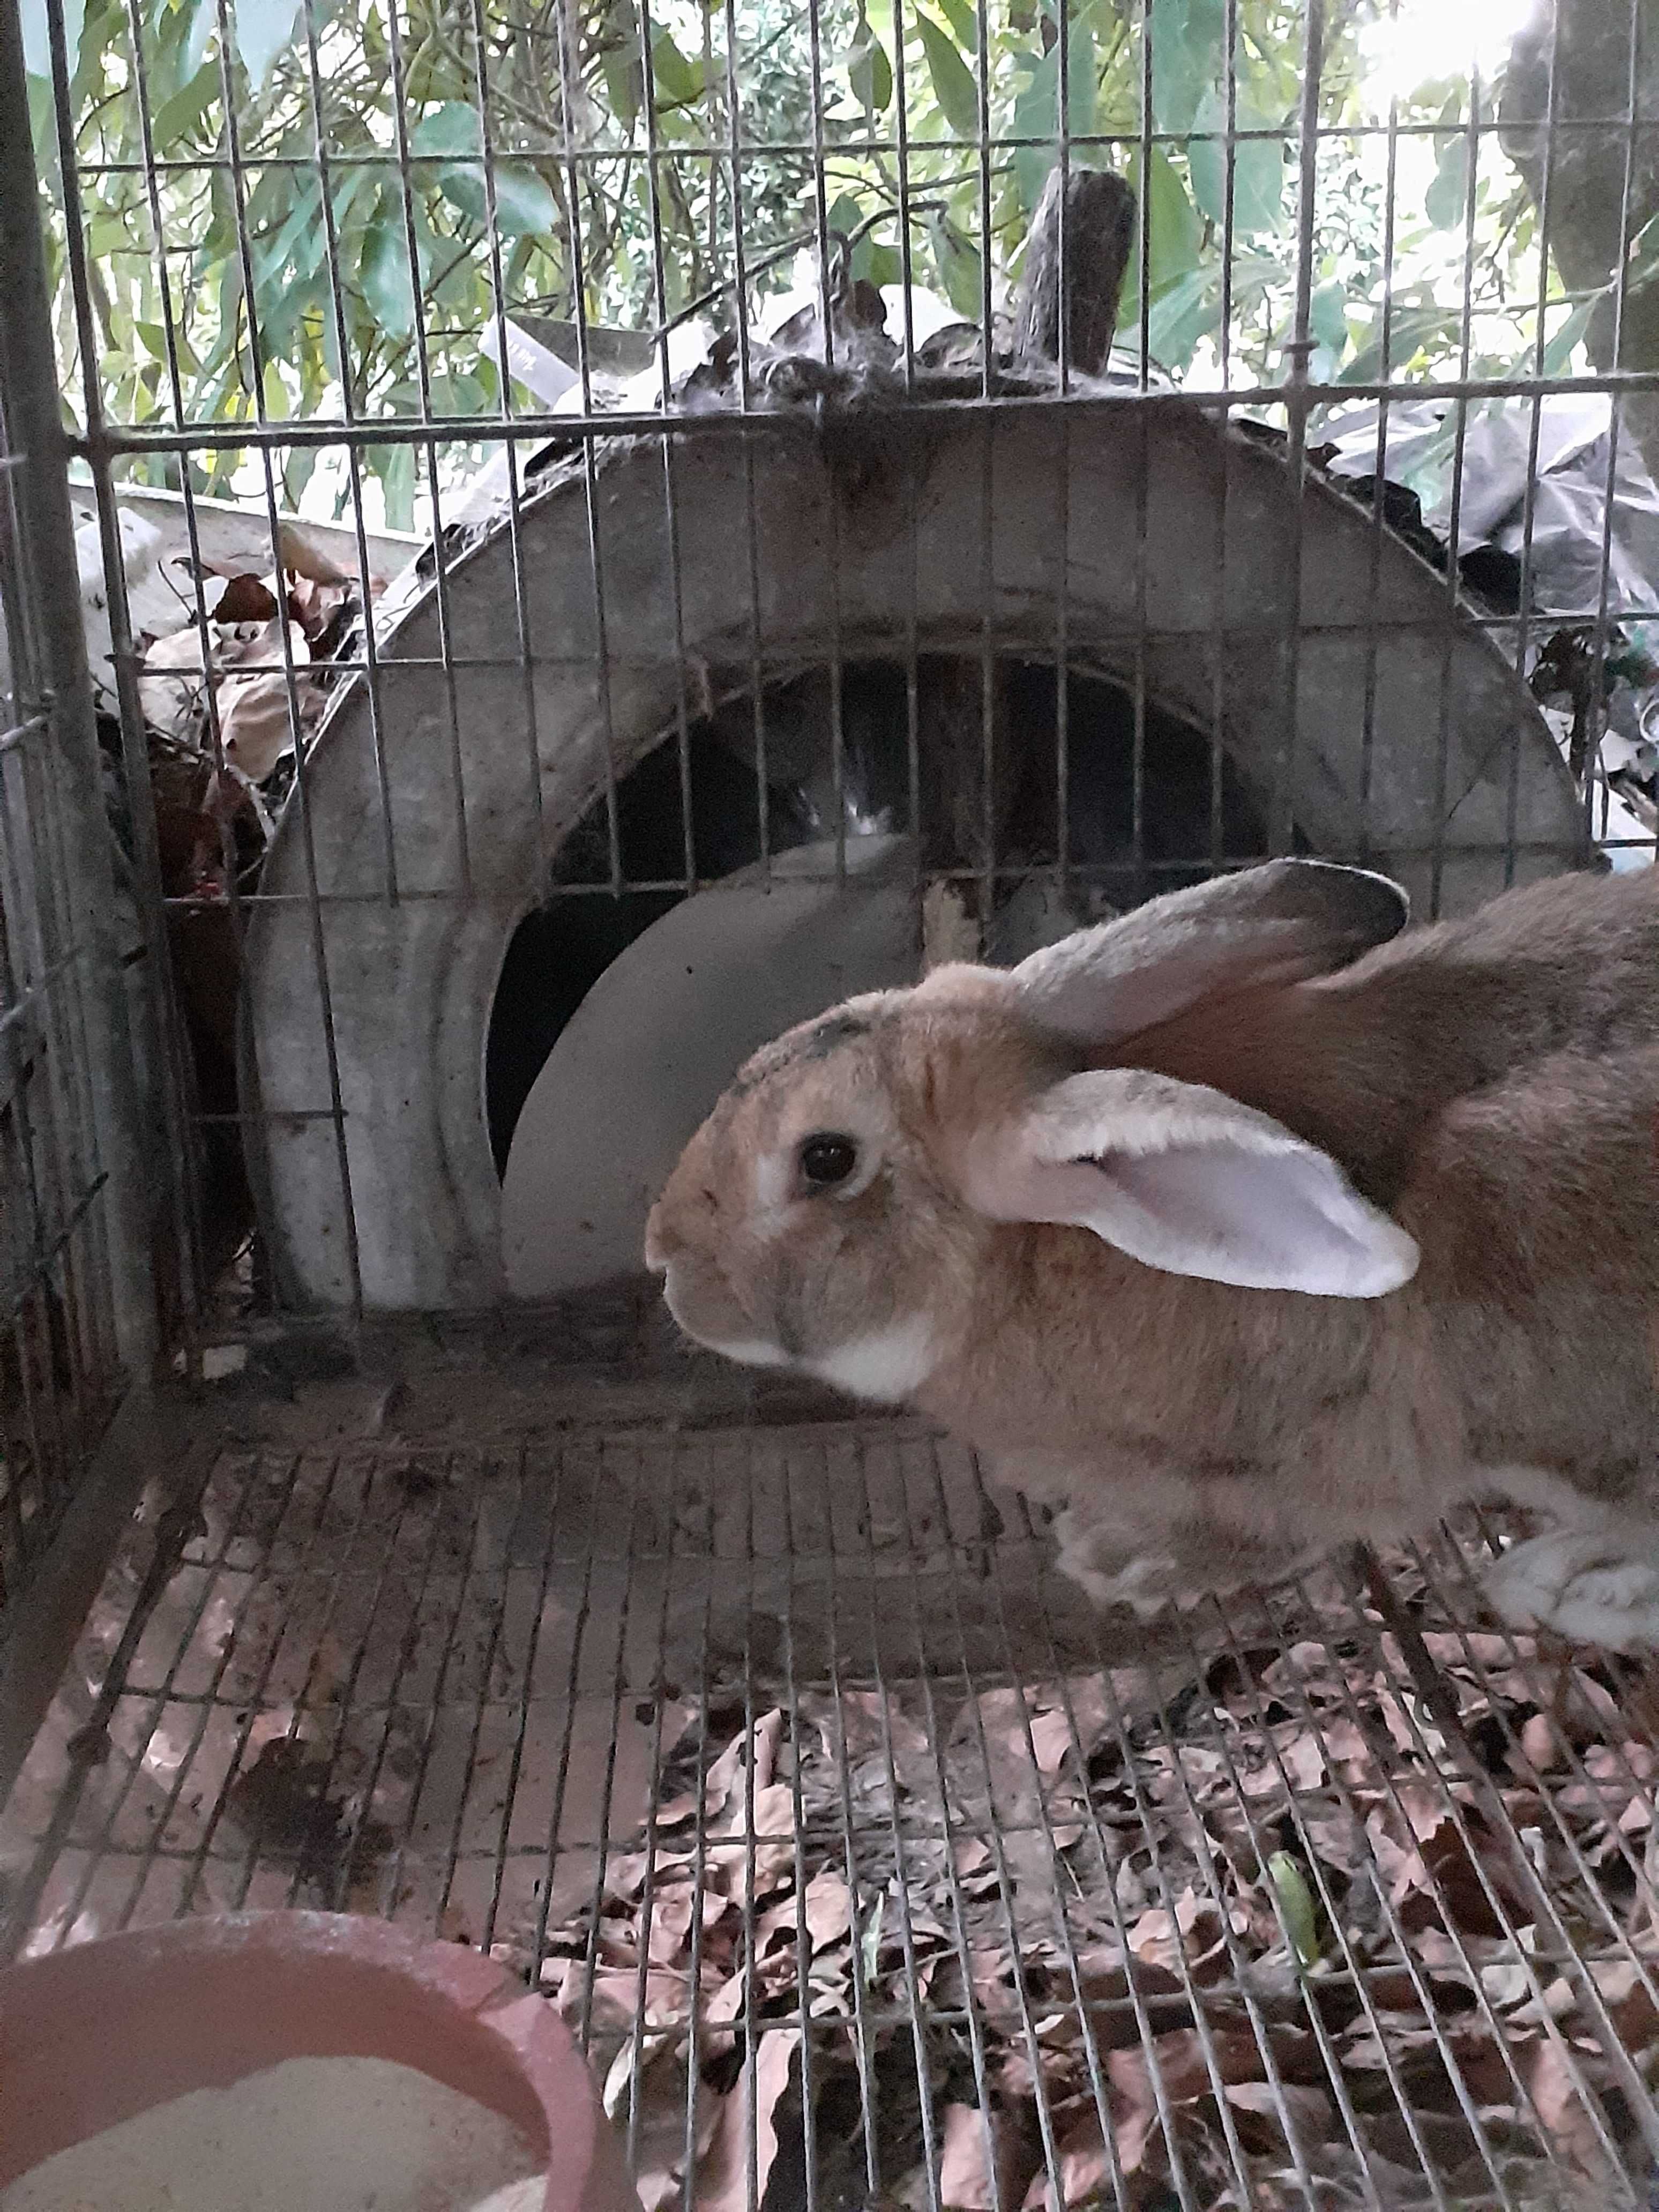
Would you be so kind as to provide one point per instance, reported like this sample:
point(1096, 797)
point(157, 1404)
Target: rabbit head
point(841, 1210)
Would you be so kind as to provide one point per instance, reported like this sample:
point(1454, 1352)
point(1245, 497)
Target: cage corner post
point(31, 409)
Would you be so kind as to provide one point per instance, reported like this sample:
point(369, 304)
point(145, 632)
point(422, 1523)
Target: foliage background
point(282, 129)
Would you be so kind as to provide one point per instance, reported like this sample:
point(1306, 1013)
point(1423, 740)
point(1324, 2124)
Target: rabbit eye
point(826, 1161)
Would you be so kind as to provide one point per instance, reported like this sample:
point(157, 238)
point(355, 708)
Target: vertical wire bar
point(521, 599)
point(348, 409)
point(1454, 525)
point(34, 432)
point(470, 1563)
point(1144, 228)
point(1595, 714)
point(842, 1763)
point(1528, 498)
point(521, 1729)
point(1062, 1918)
point(751, 524)
point(699, 1859)
point(314, 904)
point(428, 445)
point(958, 1925)
point(256, 364)
point(581, 1618)
point(901, 135)
point(653, 1798)
point(1224, 433)
point(797, 1819)
point(414, 1626)
point(590, 484)
point(1379, 473)
point(654, 157)
point(1281, 822)
point(837, 671)
point(342, 1694)
point(618, 1678)
point(248, 1071)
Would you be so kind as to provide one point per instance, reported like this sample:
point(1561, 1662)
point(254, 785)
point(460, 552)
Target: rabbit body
point(1234, 1245)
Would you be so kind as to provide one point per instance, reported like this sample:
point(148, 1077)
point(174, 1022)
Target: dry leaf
point(827, 1909)
point(245, 599)
point(723, 2181)
point(301, 553)
point(965, 2162)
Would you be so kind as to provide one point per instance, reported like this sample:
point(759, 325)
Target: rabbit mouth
point(722, 1329)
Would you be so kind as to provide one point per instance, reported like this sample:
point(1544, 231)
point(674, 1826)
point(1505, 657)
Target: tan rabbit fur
point(1446, 1150)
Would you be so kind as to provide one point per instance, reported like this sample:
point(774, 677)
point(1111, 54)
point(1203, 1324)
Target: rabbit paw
point(1584, 1584)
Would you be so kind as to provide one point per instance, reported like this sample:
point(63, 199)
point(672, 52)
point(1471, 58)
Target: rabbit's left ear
point(1186, 1179)
point(1278, 923)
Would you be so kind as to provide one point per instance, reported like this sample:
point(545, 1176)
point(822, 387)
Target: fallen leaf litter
point(1268, 1944)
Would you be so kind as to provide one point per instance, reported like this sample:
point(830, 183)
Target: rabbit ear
point(1187, 1180)
point(1274, 924)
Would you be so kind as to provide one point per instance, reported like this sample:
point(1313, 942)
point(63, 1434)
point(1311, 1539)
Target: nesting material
point(333, 2134)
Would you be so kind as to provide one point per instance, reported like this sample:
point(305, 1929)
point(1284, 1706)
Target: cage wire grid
point(736, 157)
point(777, 1760)
point(69, 1308)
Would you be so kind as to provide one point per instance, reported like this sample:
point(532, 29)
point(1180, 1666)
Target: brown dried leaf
point(965, 2181)
point(827, 1909)
point(245, 599)
point(301, 555)
point(723, 2180)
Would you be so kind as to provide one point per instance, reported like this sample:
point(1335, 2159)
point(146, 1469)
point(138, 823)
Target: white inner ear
point(1187, 1180)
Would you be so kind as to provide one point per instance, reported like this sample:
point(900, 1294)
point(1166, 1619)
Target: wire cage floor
point(773, 1754)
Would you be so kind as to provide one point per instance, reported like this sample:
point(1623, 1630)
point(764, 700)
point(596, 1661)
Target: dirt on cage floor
point(779, 1759)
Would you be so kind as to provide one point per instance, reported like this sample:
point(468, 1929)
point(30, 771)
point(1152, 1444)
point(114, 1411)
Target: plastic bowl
point(93, 2035)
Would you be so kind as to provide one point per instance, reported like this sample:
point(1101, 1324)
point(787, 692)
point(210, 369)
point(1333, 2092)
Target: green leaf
point(1187, 44)
point(1328, 315)
point(679, 82)
point(37, 43)
point(1181, 314)
point(1036, 109)
point(1296, 1903)
point(1258, 167)
point(451, 129)
point(1447, 198)
point(179, 116)
point(845, 214)
point(1173, 230)
point(960, 270)
point(624, 82)
point(877, 265)
point(523, 201)
point(952, 79)
point(869, 71)
point(1411, 329)
point(384, 278)
point(1558, 351)
point(963, 27)
point(263, 29)
point(204, 22)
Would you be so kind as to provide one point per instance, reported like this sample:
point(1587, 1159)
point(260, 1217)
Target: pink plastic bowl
point(94, 2034)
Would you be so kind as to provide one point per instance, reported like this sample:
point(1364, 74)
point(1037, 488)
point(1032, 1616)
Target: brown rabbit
point(1243, 1226)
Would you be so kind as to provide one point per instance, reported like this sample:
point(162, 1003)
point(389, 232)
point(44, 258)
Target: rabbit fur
point(1245, 1225)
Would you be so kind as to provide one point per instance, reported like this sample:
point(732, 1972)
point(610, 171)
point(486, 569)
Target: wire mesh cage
point(607, 527)
point(821, 425)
